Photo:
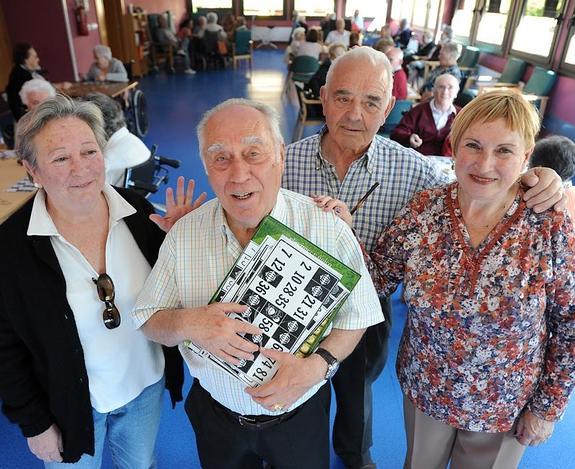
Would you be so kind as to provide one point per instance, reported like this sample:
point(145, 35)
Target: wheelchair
point(147, 178)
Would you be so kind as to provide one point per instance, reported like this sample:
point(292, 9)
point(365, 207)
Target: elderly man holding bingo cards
point(284, 422)
point(344, 160)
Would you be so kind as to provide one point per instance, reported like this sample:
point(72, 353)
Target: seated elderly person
point(311, 46)
point(426, 127)
point(123, 150)
point(384, 44)
point(339, 35)
point(447, 64)
point(313, 86)
point(213, 26)
point(35, 91)
point(395, 56)
point(558, 152)
point(403, 35)
point(167, 38)
point(106, 67)
point(487, 358)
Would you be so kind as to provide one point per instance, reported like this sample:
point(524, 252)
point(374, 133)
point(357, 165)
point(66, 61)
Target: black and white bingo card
point(289, 291)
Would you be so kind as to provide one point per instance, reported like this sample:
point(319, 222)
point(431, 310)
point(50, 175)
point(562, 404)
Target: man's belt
point(256, 422)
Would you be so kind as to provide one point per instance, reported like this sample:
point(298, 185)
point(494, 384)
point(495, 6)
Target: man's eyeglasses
point(105, 287)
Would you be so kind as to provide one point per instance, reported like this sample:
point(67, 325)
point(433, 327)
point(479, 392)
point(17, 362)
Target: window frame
point(564, 67)
point(533, 58)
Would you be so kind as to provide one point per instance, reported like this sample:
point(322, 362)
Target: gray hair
point(59, 107)
point(453, 49)
point(103, 51)
point(212, 17)
point(111, 112)
point(448, 31)
point(272, 119)
point(445, 76)
point(36, 84)
point(375, 57)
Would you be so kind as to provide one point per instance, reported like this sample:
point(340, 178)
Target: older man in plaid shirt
point(343, 161)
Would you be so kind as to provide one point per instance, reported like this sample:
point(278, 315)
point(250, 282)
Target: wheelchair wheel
point(137, 114)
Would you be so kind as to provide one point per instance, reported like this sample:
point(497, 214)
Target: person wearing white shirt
point(75, 373)
point(426, 127)
point(285, 420)
point(123, 150)
point(339, 35)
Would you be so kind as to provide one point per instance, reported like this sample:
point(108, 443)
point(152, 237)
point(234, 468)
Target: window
point(310, 8)
point(463, 19)
point(400, 10)
point(267, 8)
point(367, 8)
point(211, 4)
point(492, 24)
point(536, 30)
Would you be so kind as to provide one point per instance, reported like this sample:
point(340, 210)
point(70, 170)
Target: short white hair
point(272, 119)
point(375, 57)
point(37, 84)
point(212, 17)
point(103, 51)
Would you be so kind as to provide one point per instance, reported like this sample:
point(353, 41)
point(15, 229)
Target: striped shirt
point(200, 250)
point(400, 171)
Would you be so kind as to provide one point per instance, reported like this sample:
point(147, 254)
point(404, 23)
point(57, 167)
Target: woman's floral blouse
point(490, 330)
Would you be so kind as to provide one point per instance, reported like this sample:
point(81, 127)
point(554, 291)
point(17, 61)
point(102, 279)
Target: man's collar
point(369, 155)
point(451, 109)
point(279, 212)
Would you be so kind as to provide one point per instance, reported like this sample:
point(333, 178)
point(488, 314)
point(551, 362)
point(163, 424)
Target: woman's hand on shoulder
point(47, 446)
point(176, 208)
point(531, 430)
point(329, 204)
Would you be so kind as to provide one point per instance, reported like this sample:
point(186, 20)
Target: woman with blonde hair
point(487, 358)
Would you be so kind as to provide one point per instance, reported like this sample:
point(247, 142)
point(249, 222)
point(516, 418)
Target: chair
point(302, 69)
point(512, 73)
point(307, 114)
point(242, 48)
point(400, 108)
point(537, 88)
point(211, 50)
point(159, 53)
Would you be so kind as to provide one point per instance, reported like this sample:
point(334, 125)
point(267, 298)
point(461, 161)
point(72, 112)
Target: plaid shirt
point(400, 171)
point(200, 250)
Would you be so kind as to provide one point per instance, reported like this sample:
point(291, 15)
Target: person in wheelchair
point(123, 149)
point(106, 67)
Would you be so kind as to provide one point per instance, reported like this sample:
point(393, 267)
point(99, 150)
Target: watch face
point(331, 370)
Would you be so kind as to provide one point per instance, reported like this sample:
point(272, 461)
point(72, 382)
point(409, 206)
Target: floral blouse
point(490, 330)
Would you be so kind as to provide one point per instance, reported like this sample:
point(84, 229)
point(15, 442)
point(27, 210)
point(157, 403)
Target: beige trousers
point(432, 444)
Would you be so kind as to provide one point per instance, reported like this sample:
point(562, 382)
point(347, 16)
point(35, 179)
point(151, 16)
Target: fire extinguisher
point(82, 20)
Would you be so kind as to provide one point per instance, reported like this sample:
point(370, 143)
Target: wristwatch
point(332, 363)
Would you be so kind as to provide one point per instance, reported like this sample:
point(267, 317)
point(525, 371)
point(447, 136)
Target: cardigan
point(43, 377)
point(419, 120)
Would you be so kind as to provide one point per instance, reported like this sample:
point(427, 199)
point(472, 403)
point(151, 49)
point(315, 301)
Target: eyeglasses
point(105, 286)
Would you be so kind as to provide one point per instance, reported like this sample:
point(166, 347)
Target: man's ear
point(389, 108)
point(323, 95)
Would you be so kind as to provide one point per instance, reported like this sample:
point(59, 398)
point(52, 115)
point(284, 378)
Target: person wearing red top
point(426, 127)
point(395, 56)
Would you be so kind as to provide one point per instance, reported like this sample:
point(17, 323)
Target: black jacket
point(18, 76)
point(43, 378)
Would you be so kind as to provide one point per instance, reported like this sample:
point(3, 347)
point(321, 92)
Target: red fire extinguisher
point(82, 20)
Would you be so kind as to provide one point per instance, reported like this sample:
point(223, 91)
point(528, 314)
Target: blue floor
point(176, 103)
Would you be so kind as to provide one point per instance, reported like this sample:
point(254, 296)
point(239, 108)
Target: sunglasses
point(105, 286)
